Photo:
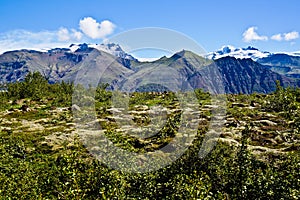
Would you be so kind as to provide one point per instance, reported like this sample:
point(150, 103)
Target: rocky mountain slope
point(56, 64)
point(184, 70)
point(228, 74)
point(288, 65)
point(246, 76)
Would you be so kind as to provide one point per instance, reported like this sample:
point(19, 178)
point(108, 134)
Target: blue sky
point(268, 25)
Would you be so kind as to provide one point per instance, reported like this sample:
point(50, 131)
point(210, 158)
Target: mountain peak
point(110, 48)
point(248, 52)
point(250, 48)
point(185, 53)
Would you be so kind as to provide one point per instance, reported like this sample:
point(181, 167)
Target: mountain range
point(228, 70)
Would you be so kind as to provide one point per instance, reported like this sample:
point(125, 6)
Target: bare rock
point(76, 107)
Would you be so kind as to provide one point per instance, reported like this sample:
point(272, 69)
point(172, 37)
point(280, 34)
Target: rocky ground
point(270, 132)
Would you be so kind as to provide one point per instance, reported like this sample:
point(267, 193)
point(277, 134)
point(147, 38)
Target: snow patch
point(231, 51)
point(147, 59)
point(110, 48)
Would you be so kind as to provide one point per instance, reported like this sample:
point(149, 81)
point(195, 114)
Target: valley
point(44, 153)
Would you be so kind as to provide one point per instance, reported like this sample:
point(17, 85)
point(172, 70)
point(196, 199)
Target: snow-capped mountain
point(238, 76)
point(111, 48)
point(249, 52)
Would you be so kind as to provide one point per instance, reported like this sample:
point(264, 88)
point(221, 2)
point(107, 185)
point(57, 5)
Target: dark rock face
point(245, 76)
point(13, 71)
point(225, 75)
point(283, 64)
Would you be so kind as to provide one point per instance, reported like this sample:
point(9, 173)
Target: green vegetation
point(256, 157)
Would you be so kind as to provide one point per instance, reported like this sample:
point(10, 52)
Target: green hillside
point(257, 155)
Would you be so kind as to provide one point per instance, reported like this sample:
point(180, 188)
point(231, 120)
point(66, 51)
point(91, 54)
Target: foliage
point(37, 88)
point(30, 170)
point(283, 100)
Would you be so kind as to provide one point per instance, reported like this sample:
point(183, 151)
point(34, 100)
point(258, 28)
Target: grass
point(41, 158)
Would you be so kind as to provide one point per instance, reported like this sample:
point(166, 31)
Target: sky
point(268, 25)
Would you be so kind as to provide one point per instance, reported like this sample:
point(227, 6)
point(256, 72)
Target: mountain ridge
point(182, 69)
point(247, 52)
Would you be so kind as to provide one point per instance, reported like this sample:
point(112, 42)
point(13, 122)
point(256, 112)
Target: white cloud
point(251, 35)
point(94, 29)
point(277, 37)
point(63, 37)
point(286, 36)
point(63, 34)
point(291, 36)
point(23, 39)
point(76, 34)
